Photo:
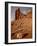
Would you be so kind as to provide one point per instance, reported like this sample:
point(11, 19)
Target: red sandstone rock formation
point(22, 26)
point(18, 14)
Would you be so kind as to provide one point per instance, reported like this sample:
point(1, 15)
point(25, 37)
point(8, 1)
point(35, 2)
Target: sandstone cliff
point(22, 26)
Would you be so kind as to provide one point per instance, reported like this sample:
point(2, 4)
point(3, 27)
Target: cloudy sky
point(22, 9)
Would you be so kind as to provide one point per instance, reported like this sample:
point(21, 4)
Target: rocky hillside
point(22, 26)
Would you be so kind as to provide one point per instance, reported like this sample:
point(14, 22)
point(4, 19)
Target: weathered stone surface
point(22, 26)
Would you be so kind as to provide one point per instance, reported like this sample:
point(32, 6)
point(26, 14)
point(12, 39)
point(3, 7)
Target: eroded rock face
point(22, 27)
